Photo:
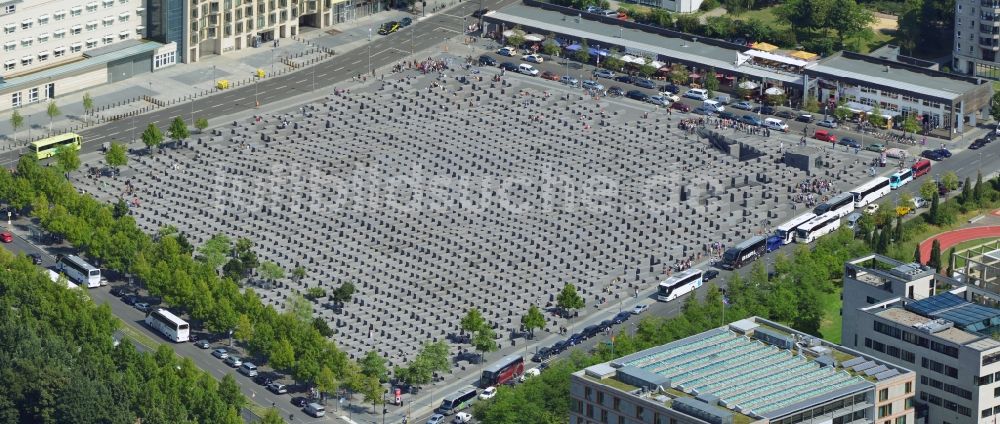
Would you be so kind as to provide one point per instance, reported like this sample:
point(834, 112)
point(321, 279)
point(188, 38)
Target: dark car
point(764, 110)
point(849, 142)
point(932, 155)
point(300, 401)
point(670, 88)
point(541, 355)
point(479, 13)
point(405, 22)
point(627, 79)
point(558, 348)
point(978, 144)
point(709, 275)
point(784, 114)
point(637, 95)
point(644, 83)
point(507, 66)
point(35, 258)
point(485, 60)
point(704, 110)
point(728, 115)
point(621, 317)
point(945, 153)
point(680, 106)
point(576, 339)
point(118, 291)
point(262, 379)
point(752, 120)
point(805, 117)
point(616, 91)
point(203, 344)
point(606, 324)
point(591, 331)
point(129, 299)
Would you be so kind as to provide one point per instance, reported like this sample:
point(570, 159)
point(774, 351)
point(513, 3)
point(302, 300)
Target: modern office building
point(949, 340)
point(56, 47)
point(751, 371)
point(875, 278)
point(977, 38)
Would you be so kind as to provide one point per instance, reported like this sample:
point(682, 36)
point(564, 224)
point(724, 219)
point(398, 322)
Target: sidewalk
point(182, 81)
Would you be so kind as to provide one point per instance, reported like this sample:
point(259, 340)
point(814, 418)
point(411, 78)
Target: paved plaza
point(433, 195)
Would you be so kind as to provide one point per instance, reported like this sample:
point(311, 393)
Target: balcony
point(992, 43)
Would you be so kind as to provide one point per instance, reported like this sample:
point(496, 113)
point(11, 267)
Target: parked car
point(640, 308)
point(118, 291)
point(388, 28)
point(628, 79)
point(220, 353)
point(871, 208)
point(784, 114)
point(764, 110)
point(828, 123)
point(507, 51)
point(659, 100)
point(849, 142)
point(592, 85)
point(541, 355)
point(604, 73)
point(704, 110)
point(536, 58)
point(488, 393)
point(697, 94)
point(670, 88)
point(277, 388)
point(485, 60)
point(752, 120)
point(549, 75)
point(616, 92)
point(6, 237)
point(300, 401)
point(462, 418)
point(479, 13)
point(621, 317)
point(932, 155)
point(576, 339)
point(670, 96)
point(824, 135)
point(637, 95)
point(709, 275)
point(569, 80)
point(507, 66)
point(532, 372)
point(527, 69)
point(944, 152)
point(35, 258)
point(142, 306)
point(728, 115)
point(591, 330)
point(202, 344)
point(978, 144)
point(405, 22)
point(875, 147)
point(436, 419)
point(680, 106)
point(593, 9)
point(233, 361)
point(805, 117)
point(644, 83)
point(558, 347)
point(744, 105)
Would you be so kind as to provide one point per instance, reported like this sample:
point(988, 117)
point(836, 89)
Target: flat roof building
point(751, 371)
point(979, 266)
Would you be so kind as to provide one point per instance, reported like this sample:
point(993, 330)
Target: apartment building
point(751, 371)
point(977, 38)
point(52, 47)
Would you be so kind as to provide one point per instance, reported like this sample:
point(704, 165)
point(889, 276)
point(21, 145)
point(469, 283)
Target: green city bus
point(47, 147)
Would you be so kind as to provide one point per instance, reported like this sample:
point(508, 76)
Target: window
point(92, 25)
point(15, 99)
point(60, 15)
point(604, 415)
point(91, 43)
point(76, 30)
point(9, 28)
point(76, 47)
point(908, 403)
point(59, 33)
point(639, 411)
point(43, 56)
point(885, 410)
point(123, 35)
point(883, 395)
point(27, 60)
point(8, 9)
point(616, 403)
point(27, 42)
point(42, 20)
point(60, 52)
point(9, 65)
point(600, 397)
point(586, 393)
point(590, 411)
point(901, 420)
point(9, 46)
point(91, 7)
point(27, 23)
point(986, 412)
point(908, 388)
point(76, 11)
point(108, 39)
point(123, 17)
point(43, 38)
point(108, 21)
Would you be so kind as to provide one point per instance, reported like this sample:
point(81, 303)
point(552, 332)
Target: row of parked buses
point(824, 219)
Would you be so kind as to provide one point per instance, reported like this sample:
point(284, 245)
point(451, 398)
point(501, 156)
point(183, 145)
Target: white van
point(527, 69)
point(697, 94)
point(248, 369)
point(315, 409)
point(713, 105)
point(775, 124)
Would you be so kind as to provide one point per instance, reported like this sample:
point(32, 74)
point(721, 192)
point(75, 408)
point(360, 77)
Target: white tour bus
point(678, 285)
point(173, 328)
point(80, 271)
point(57, 278)
point(842, 204)
point(870, 192)
point(817, 227)
point(787, 230)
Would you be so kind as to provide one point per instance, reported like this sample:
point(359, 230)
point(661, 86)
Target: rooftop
point(92, 58)
point(752, 367)
point(900, 76)
point(549, 21)
point(949, 317)
point(878, 270)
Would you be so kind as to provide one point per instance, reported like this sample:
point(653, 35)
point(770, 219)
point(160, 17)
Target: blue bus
point(900, 178)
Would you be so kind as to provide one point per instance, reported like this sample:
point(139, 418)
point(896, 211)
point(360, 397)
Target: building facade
point(977, 38)
point(751, 371)
point(40, 34)
point(678, 6)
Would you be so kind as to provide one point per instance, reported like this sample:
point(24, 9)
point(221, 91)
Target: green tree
point(647, 70)
point(910, 26)
point(897, 235)
point(215, 250)
point(927, 189)
point(201, 124)
point(966, 196)
point(68, 158)
point(687, 23)
point(679, 74)
point(550, 46)
point(711, 83)
point(16, 122)
point(910, 123)
point(343, 293)
point(994, 108)
point(314, 293)
point(152, 137)
point(484, 342)
point(533, 319)
point(229, 392)
point(917, 254)
point(436, 356)
point(720, 26)
point(842, 113)
point(935, 259)
point(516, 38)
point(950, 180)
point(271, 271)
point(326, 380)
point(472, 321)
point(568, 299)
point(282, 355)
point(979, 192)
point(178, 130)
point(298, 273)
point(951, 262)
point(582, 55)
point(322, 327)
point(373, 365)
point(811, 105)
point(300, 308)
point(272, 416)
point(371, 388)
point(613, 61)
point(88, 103)
point(115, 157)
point(934, 213)
point(244, 328)
point(875, 118)
point(52, 111)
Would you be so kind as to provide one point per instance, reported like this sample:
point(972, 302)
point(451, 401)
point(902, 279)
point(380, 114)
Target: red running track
point(952, 238)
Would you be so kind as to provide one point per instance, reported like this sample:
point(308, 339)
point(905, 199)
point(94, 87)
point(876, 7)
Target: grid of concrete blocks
point(434, 195)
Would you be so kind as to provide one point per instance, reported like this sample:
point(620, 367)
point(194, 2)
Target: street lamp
point(256, 77)
point(369, 50)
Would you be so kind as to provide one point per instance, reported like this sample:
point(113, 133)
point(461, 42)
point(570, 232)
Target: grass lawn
point(765, 15)
point(965, 245)
point(829, 328)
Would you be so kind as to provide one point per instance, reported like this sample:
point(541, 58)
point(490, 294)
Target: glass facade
point(165, 22)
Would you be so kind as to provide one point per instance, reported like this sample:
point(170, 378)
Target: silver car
point(828, 122)
point(568, 80)
point(659, 100)
point(592, 85)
